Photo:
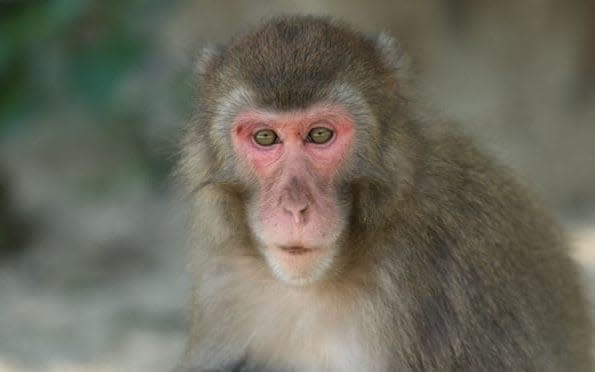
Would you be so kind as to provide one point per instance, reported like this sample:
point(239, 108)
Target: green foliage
point(63, 52)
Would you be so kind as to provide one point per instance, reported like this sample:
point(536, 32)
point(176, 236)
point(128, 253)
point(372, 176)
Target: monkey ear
point(391, 50)
point(205, 57)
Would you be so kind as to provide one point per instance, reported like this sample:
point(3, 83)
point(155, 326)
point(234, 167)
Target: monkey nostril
point(302, 207)
point(295, 208)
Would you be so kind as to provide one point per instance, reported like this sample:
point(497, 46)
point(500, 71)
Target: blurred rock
point(15, 231)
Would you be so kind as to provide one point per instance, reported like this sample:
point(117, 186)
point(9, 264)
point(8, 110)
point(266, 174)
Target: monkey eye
point(265, 137)
point(320, 135)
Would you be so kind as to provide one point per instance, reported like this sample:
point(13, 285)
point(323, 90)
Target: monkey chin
point(297, 265)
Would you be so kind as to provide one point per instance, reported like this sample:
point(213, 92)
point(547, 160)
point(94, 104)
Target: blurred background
point(92, 98)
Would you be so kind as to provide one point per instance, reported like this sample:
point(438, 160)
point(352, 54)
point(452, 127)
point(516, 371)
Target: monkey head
point(293, 120)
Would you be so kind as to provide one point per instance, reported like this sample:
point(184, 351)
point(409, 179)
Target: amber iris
point(265, 137)
point(320, 135)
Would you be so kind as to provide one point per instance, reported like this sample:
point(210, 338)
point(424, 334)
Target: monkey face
point(297, 135)
point(296, 158)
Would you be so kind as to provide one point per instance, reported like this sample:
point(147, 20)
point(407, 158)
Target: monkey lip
point(296, 250)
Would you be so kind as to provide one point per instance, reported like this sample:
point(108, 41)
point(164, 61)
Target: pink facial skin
point(296, 213)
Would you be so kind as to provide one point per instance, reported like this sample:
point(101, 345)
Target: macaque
point(340, 228)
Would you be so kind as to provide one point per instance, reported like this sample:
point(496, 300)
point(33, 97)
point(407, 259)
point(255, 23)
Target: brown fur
point(447, 264)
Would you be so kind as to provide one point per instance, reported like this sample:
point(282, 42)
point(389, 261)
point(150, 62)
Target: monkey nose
point(297, 210)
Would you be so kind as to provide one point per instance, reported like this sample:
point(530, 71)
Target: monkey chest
point(315, 343)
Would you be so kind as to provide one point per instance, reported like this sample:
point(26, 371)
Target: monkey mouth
point(296, 264)
point(296, 250)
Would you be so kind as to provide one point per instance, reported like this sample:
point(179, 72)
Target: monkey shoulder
point(490, 254)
